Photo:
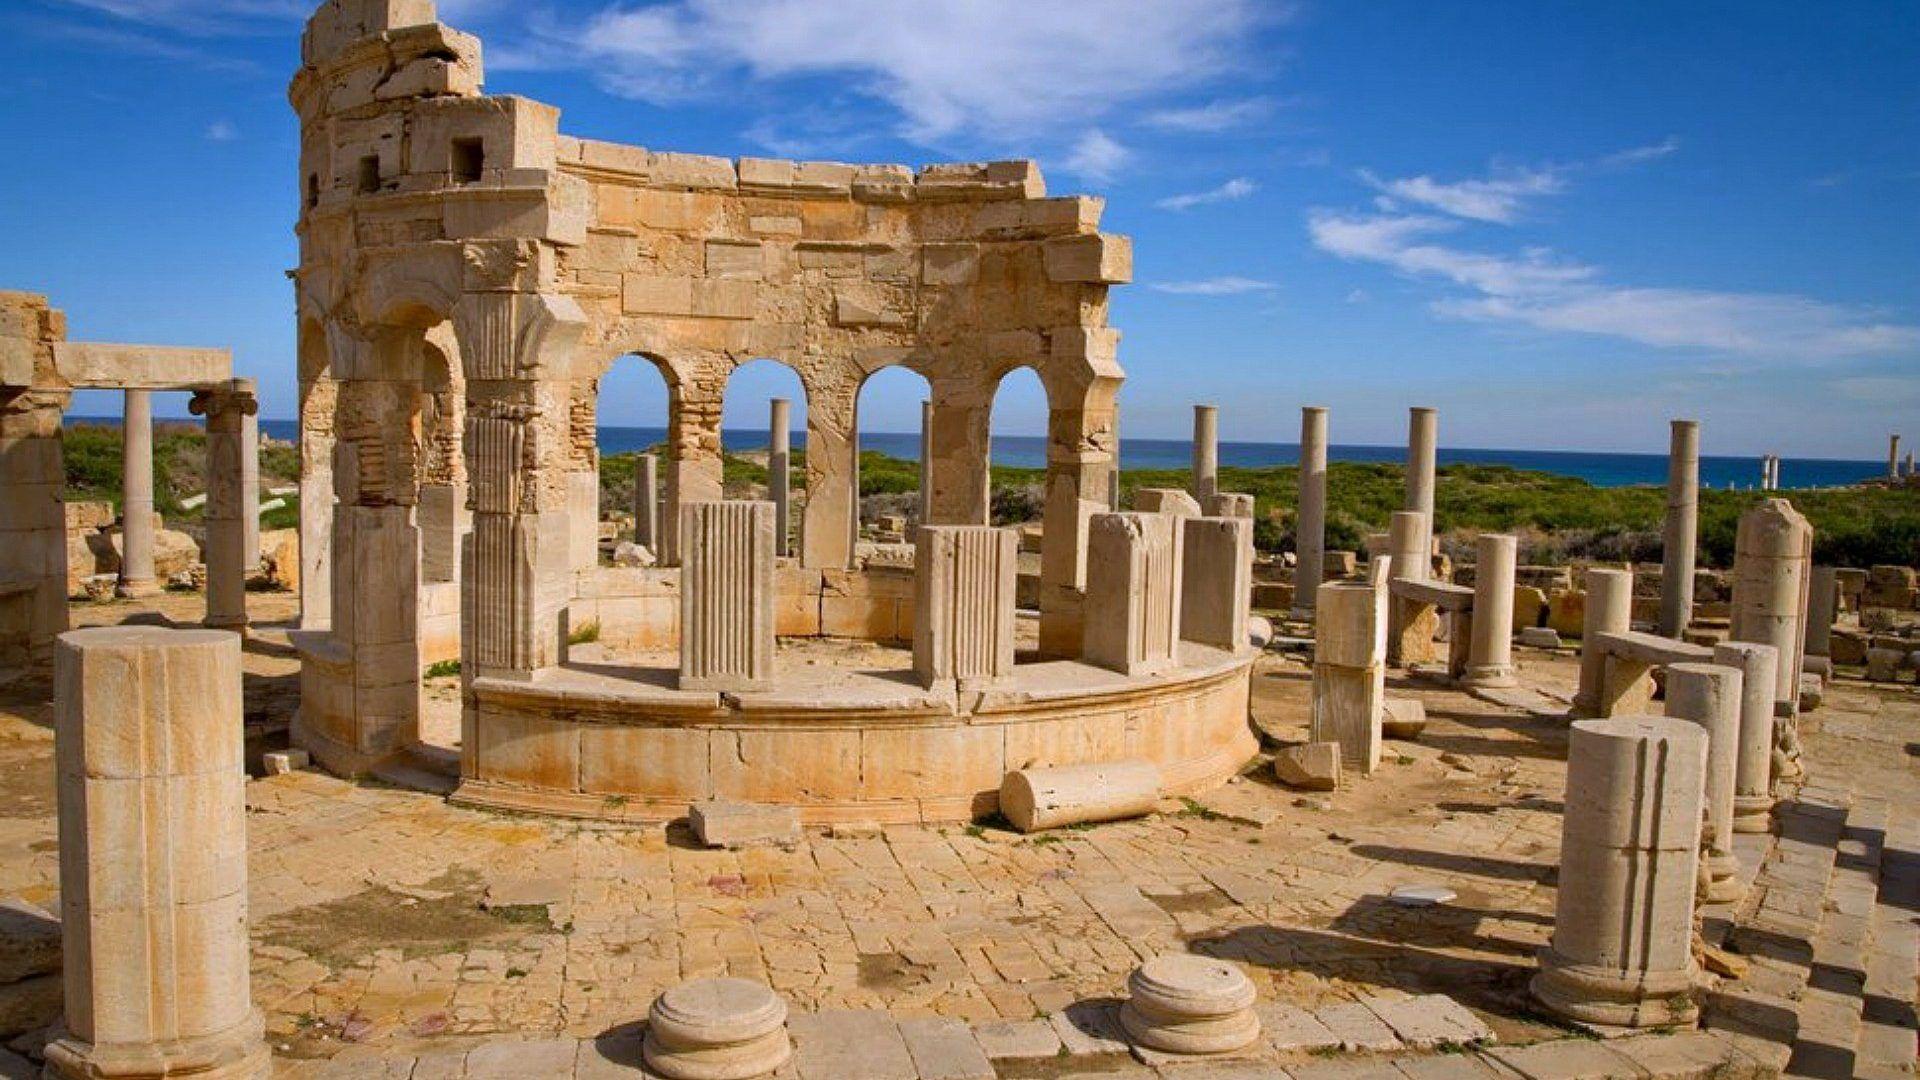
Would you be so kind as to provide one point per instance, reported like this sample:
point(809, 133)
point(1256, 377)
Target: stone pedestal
point(1773, 552)
point(726, 596)
point(646, 503)
point(1490, 647)
point(1709, 695)
point(1621, 954)
point(717, 1029)
point(1310, 529)
point(153, 857)
point(1609, 610)
point(136, 497)
point(964, 578)
point(1412, 625)
point(1823, 601)
point(780, 473)
point(229, 502)
point(1423, 448)
point(1216, 581)
point(1133, 602)
point(1206, 451)
point(1682, 529)
point(1753, 763)
point(1185, 1004)
point(1350, 670)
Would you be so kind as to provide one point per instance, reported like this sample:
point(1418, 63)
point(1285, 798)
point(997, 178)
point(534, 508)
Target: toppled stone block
point(740, 825)
point(1403, 718)
point(282, 762)
point(629, 554)
point(1540, 637)
point(1048, 798)
point(1308, 767)
point(29, 941)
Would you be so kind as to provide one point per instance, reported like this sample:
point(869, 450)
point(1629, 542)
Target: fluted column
point(1682, 529)
point(1133, 592)
point(726, 596)
point(153, 857)
point(1310, 529)
point(136, 498)
point(963, 605)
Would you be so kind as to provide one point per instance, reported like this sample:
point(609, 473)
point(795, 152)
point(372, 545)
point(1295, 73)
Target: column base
point(239, 1053)
point(1752, 813)
point(1489, 678)
point(138, 588)
point(1611, 998)
point(1720, 877)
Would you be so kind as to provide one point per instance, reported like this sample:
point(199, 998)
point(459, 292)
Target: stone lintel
point(94, 365)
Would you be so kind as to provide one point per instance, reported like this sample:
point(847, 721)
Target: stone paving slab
point(944, 1049)
point(849, 1044)
point(1568, 1059)
point(1429, 1021)
point(1357, 1027)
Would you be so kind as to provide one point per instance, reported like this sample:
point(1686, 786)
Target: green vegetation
point(91, 454)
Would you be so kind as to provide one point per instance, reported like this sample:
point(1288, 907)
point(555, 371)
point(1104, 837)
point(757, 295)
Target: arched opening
point(887, 425)
point(632, 451)
point(756, 439)
point(1018, 456)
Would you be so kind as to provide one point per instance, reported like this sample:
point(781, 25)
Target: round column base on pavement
point(717, 1029)
point(1190, 1005)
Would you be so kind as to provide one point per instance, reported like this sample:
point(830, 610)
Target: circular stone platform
point(846, 735)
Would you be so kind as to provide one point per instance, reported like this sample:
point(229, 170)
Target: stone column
point(1216, 581)
point(1133, 592)
point(226, 409)
point(726, 596)
point(1753, 764)
point(1350, 670)
point(963, 605)
point(1079, 468)
point(926, 463)
point(1622, 948)
point(319, 398)
point(1823, 598)
point(153, 857)
point(1206, 451)
point(1423, 441)
point(1609, 610)
point(1682, 529)
point(1772, 550)
point(250, 486)
point(1709, 695)
point(1893, 457)
point(780, 473)
point(646, 503)
point(1490, 652)
point(1310, 528)
point(136, 500)
point(1411, 626)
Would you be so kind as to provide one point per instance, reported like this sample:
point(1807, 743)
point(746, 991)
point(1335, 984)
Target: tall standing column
point(250, 487)
point(1490, 651)
point(1893, 457)
point(136, 499)
point(1753, 765)
point(227, 503)
point(1683, 529)
point(1609, 610)
point(780, 473)
point(153, 857)
point(1206, 452)
point(1709, 695)
point(1622, 948)
point(1423, 441)
point(1310, 528)
point(926, 463)
point(646, 504)
point(1772, 553)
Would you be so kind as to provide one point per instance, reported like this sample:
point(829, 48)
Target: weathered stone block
point(1313, 766)
point(738, 825)
point(964, 585)
point(1099, 258)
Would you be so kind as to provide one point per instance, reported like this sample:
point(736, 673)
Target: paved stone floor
point(389, 925)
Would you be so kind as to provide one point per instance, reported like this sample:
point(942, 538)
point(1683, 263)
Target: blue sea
point(1599, 469)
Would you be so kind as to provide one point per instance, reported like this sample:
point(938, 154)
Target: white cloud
point(1498, 199)
point(1636, 154)
point(1535, 287)
point(201, 17)
point(1237, 188)
point(1211, 118)
point(1216, 286)
point(1004, 69)
point(222, 131)
point(1096, 156)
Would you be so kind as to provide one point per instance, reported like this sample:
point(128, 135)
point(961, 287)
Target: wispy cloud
point(1635, 155)
point(1538, 288)
point(1096, 156)
point(1497, 199)
point(1211, 118)
point(1237, 188)
point(993, 69)
point(222, 131)
point(201, 17)
point(1215, 286)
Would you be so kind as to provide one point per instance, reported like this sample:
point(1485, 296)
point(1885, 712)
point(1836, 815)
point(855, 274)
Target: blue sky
point(1559, 223)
